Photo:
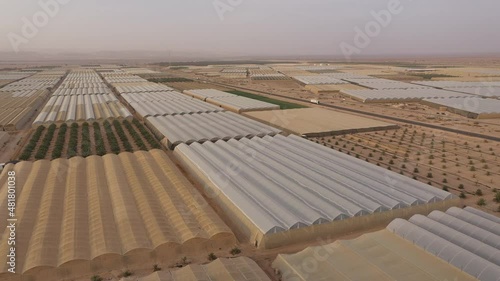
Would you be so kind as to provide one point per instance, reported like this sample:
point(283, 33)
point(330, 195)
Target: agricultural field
point(87, 139)
point(169, 79)
point(182, 86)
point(467, 167)
point(282, 104)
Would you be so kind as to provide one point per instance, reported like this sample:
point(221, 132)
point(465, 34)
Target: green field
point(282, 104)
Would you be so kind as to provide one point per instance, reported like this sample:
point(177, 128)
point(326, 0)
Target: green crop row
point(28, 150)
point(113, 142)
point(99, 142)
point(44, 147)
point(122, 136)
point(86, 145)
point(149, 137)
point(61, 137)
point(137, 138)
point(73, 141)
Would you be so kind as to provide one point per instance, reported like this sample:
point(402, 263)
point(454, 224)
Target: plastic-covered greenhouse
point(282, 190)
point(129, 210)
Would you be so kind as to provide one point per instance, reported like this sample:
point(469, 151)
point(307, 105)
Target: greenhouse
point(282, 190)
point(96, 214)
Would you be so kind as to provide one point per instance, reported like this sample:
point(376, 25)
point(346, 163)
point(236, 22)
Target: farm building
point(471, 107)
point(120, 77)
point(138, 70)
point(483, 89)
point(203, 94)
point(456, 245)
point(400, 95)
point(318, 80)
point(319, 68)
point(154, 96)
point(13, 76)
point(457, 84)
point(234, 269)
point(316, 122)
point(141, 87)
point(332, 89)
point(241, 104)
point(466, 238)
point(82, 108)
point(489, 92)
point(173, 107)
point(188, 128)
point(16, 108)
point(230, 101)
point(384, 84)
point(267, 74)
point(20, 101)
point(347, 76)
point(282, 190)
point(96, 214)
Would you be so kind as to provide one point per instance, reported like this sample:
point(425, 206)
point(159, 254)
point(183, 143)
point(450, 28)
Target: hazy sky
point(254, 27)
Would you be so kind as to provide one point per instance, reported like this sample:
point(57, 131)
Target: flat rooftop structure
point(380, 255)
point(241, 104)
point(189, 128)
point(318, 80)
point(471, 107)
point(316, 122)
point(384, 84)
point(401, 95)
point(466, 238)
point(223, 269)
point(82, 216)
point(282, 190)
point(203, 94)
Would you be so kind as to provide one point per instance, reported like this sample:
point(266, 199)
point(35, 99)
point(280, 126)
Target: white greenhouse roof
point(470, 104)
point(81, 108)
point(318, 80)
point(466, 238)
point(384, 84)
point(242, 104)
point(154, 96)
point(283, 183)
point(203, 94)
point(457, 84)
point(203, 127)
point(173, 107)
point(401, 95)
point(479, 91)
point(142, 87)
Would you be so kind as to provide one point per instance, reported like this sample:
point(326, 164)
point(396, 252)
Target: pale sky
point(255, 27)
